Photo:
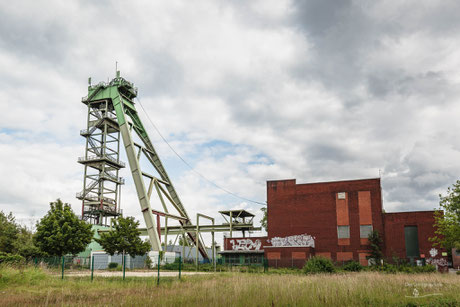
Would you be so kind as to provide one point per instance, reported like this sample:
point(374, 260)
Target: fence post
point(63, 264)
point(180, 263)
point(124, 265)
point(92, 267)
point(158, 266)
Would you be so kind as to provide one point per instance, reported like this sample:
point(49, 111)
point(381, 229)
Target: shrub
point(113, 265)
point(458, 273)
point(405, 268)
point(9, 258)
point(352, 266)
point(429, 268)
point(318, 265)
point(148, 262)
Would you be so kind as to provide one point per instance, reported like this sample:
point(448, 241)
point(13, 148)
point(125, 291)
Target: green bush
point(9, 258)
point(318, 265)
point(352, 266)
point(405, 268)
point(458, 273)
point(113, 265)
point(429, 268)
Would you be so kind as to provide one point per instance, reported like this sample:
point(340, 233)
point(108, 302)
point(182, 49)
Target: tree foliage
point(16, 239)
point(25, 246)
point(375, 244)
point(447, 219)
point(263, 221)
point(124, 238)
point(8, 233)
point(60, 232)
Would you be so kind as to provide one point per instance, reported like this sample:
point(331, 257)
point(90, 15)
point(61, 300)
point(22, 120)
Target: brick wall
point(317, 209)
point(395, 243)
point(312, 209)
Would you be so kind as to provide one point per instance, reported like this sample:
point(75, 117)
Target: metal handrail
point(113, 177)
point(97, 198)
point(80, 159)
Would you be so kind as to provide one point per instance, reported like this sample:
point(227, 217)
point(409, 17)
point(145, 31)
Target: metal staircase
point(117, 97)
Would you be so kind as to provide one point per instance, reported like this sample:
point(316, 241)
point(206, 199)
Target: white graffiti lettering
point(245, 244)
point(296, 240)
point(437, 261)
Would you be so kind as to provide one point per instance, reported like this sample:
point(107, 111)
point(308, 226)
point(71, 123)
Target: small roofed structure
point(237, 218)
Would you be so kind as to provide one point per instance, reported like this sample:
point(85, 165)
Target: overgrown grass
point(30, 286)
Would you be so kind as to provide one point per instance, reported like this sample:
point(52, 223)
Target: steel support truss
point(101, 184)
point(119, 95)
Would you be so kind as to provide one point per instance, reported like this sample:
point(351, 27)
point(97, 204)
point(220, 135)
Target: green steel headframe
point(118, 96)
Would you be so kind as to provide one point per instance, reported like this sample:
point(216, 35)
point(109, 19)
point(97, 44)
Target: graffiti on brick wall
point(436, 261)
point(303, 240)
point(245, 244)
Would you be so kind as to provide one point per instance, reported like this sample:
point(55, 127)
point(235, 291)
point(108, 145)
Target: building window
point(252, 259)
point(365, 231)
point(343, 232)
point(233, 259)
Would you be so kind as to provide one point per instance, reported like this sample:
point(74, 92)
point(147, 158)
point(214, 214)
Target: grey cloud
point(426, 85)
point(37, 41)
point(159, 73)
point(372, 107)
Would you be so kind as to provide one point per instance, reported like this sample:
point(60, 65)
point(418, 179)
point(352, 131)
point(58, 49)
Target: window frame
point(361, 231)
point(338, 231)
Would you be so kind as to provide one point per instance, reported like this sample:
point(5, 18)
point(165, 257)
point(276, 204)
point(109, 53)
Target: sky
point(244, 91)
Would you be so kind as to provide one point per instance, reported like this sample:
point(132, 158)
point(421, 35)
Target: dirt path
point(132, 273)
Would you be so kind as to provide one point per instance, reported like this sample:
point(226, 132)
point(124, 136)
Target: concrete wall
point(102, 260)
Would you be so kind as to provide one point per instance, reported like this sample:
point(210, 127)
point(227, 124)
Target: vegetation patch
point(34, 286)
point(318, 265)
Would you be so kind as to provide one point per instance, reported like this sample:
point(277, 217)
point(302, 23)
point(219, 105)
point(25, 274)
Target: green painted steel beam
point(121, 93)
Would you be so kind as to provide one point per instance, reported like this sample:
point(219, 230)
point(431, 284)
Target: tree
point(25, 246)
point(60, 232)
point(263, 221)
point(8, 232)
point(375, 244)
point(124, 238)
point(185, 242)
point(447, 219)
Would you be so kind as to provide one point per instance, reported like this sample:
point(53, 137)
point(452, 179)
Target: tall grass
point(11, 275)
point(36, 287)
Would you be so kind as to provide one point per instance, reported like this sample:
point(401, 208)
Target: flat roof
point(241, 252)
point(237, 213)
point(418, 211)
point(323, 182)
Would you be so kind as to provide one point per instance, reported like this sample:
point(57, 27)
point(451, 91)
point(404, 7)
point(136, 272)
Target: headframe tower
point(111, 113)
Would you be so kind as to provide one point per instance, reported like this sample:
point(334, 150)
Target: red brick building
point(334, 219)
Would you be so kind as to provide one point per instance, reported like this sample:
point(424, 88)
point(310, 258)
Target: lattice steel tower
point(101, 184)
point(111, 113)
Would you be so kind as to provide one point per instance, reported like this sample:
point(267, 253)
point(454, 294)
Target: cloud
point(244, 91)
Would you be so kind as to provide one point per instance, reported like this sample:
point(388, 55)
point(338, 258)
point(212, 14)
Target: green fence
point(96, 266)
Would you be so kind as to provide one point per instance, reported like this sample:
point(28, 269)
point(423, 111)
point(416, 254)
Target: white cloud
point(245, 92)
